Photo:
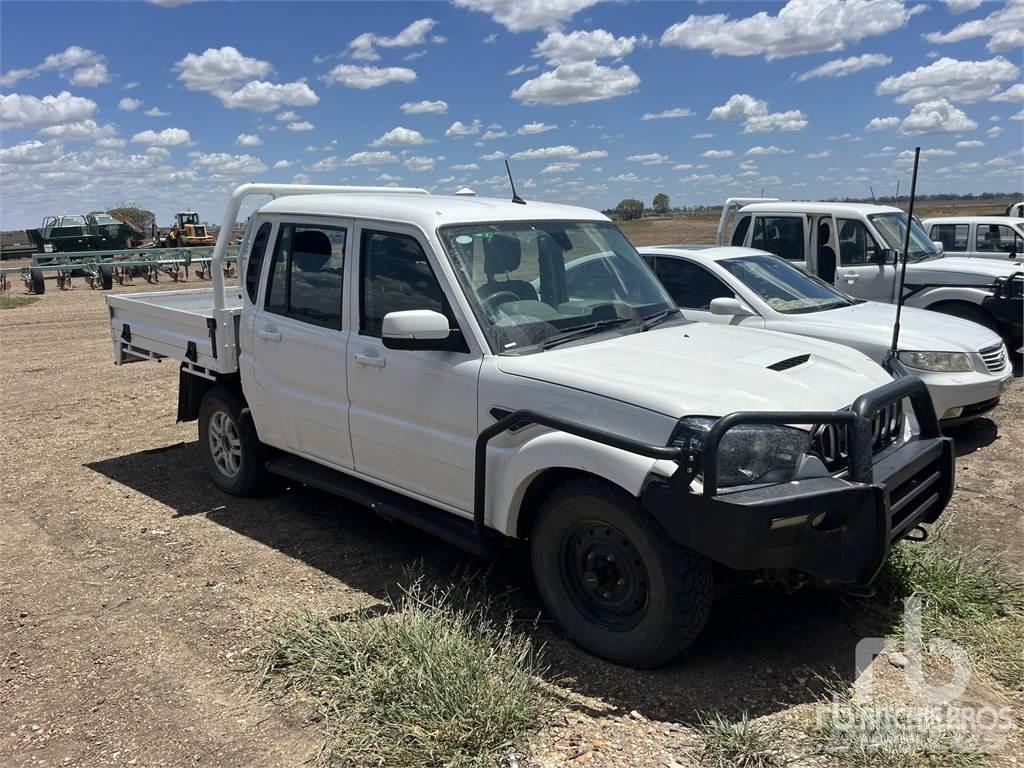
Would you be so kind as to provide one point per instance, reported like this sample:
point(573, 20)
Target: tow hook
point(918, 533)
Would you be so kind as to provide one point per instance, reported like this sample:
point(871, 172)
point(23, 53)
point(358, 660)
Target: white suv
point(438, 359)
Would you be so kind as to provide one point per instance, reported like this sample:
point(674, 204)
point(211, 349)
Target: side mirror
point(730, 307)
point(417, 329)
point(886, 256)
point(939, 247)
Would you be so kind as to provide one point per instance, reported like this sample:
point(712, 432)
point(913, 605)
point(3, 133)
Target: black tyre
point(966, 311)
point(611, 578)
point(232, 451)
point(37, 283)
point(106, 277)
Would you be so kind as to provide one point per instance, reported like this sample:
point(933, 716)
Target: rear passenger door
point(782, 234)
point(300, 342)
point(413, 412)
point(860, 272)
point(954, 238)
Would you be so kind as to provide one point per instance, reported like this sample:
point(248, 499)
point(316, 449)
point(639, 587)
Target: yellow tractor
point(187, 232)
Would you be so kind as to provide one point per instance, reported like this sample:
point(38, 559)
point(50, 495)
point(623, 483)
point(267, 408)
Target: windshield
point(72, 221)
point(893, 227)
point(532, 281)
point(783, 287)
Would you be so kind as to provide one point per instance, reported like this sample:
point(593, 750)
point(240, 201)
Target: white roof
point(1017, 220)
point(836, 208)
point(427, 211)
point(702, 253)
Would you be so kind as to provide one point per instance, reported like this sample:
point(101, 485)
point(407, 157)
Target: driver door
point(860, 272)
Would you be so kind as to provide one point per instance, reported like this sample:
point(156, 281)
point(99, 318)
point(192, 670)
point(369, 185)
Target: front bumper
point(838, 530)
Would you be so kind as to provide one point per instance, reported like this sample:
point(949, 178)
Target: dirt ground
point(130, 588)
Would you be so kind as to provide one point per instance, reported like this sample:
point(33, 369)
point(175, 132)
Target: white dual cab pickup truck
point(438, 359)
point(965, 365)
point(856, 247)
point(982, 237)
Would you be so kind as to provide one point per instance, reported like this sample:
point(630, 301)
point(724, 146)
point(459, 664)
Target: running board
point(438, 522)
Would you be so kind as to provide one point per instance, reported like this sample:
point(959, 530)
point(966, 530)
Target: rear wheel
point(232, 451)
point(37, 283)
point(106, 277)
point(612, 579)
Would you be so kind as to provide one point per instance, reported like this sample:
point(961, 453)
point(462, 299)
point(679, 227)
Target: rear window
point(255, 263)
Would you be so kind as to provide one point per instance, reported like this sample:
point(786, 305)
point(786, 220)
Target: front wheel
point(612, 579)
point(232, 451)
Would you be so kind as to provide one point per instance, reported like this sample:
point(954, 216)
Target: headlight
point(748, 453)
point(945, 362)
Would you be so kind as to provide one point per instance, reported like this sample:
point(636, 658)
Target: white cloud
point(262, 96)
point(577, 83)
point(84, 130)
point(248, 140)
point(970, 144)
point(156, 112)
point(12, 76)
point(574, 47)
point(562, 151)
point(400, 137)
point(168, 137)
point(523, 69)
point(290, 116)
point(363, 46)
point(755, 115)
point(565, 166)
point(30, 153)
point(1013, 93)
point(717, 154)
point(527, 15)
point(703, 135)
point(965, 81)
point(459, 129)
point(491, 39)
point(22, 111)
point(227, 166)
point(819, 155)
point(938, 116)
point(960, 6)
point(845, 67)
point(371, 158)
point(882, 123)
point(650, 158)
point(668, 114)
point(233, 78)
point(79, 66)
point(493, 133)
point(466, 167)
point(1004, 29)
point(801, 26)
point(994, 132)
point(299, 126)
point(128, 104)
point(769, 150)
point(419, 163)
point(352, 76)
point(491, 156)
point(528, 129)
point(425, 107)
point(91, 76)
point(283, 164)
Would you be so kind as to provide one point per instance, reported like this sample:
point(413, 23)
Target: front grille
point(995, 358)
point(791, 362)
point(830, 442)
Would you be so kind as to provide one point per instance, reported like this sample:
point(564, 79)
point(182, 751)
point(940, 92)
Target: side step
point(438, 522)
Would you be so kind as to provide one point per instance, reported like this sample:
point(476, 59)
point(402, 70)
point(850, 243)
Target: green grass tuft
point(427, 684)
point(13, 302)
point(743, 743)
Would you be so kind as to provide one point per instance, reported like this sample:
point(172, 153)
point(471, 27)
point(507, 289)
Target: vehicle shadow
point(761, 652)
point(973, 435)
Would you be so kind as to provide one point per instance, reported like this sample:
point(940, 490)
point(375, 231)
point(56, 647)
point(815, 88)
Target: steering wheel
point(492, 302)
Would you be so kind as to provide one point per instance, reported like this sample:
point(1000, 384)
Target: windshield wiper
point(657, 318)
point(579, 331)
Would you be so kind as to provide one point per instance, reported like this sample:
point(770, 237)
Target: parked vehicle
point(1015, 209)
point(989, 237)
point(76, 232)
point(857, 246)
point(186, 232)
point(965, 365)
point(393, 348)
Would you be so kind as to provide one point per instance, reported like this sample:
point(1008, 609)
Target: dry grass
point(742, 743)
point(13, 302)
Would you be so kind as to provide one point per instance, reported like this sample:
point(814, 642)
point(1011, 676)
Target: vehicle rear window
point(952, 236)
point(305, 279)
point(255, 263)
point(740, 233)
point(781, 235)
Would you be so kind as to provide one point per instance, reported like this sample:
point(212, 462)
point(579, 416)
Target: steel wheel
point(225, 443)
point(605, 575)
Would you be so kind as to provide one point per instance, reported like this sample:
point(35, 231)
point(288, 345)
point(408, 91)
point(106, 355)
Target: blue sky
point(171, 104)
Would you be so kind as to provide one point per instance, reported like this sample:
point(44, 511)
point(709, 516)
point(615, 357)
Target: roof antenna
point(515, 195)
point(872, 194)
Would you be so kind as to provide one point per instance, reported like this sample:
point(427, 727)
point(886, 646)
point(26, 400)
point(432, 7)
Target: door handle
point(269, 334)
point(851, 277)
point(367, 358)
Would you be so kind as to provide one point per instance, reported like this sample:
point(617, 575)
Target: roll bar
point(276, 190)
point(735, 203)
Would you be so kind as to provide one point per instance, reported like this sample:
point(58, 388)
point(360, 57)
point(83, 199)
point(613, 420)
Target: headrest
point(311, 249)
point(502, 253)
point(823, 231)
point(849, 231)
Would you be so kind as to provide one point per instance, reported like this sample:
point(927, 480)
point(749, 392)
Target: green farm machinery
point(75, 232)
point(101, 269)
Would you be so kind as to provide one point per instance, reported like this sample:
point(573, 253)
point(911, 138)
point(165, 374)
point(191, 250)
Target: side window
point(781, 235)
point(690, 285)
point(255, 263)
point(395, 276)
point(952, 236)
point(305, 280)
point(740, 233)
point(994, 238)
point(856, 245)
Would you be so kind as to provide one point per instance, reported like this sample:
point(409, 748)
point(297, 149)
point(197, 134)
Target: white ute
point(438, 359)
point(964, 365)
point(980, 237)
point(856, 246)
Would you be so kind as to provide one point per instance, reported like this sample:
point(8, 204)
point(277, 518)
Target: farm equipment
point(76, 232)
point(187, 232)
point(101, 269)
